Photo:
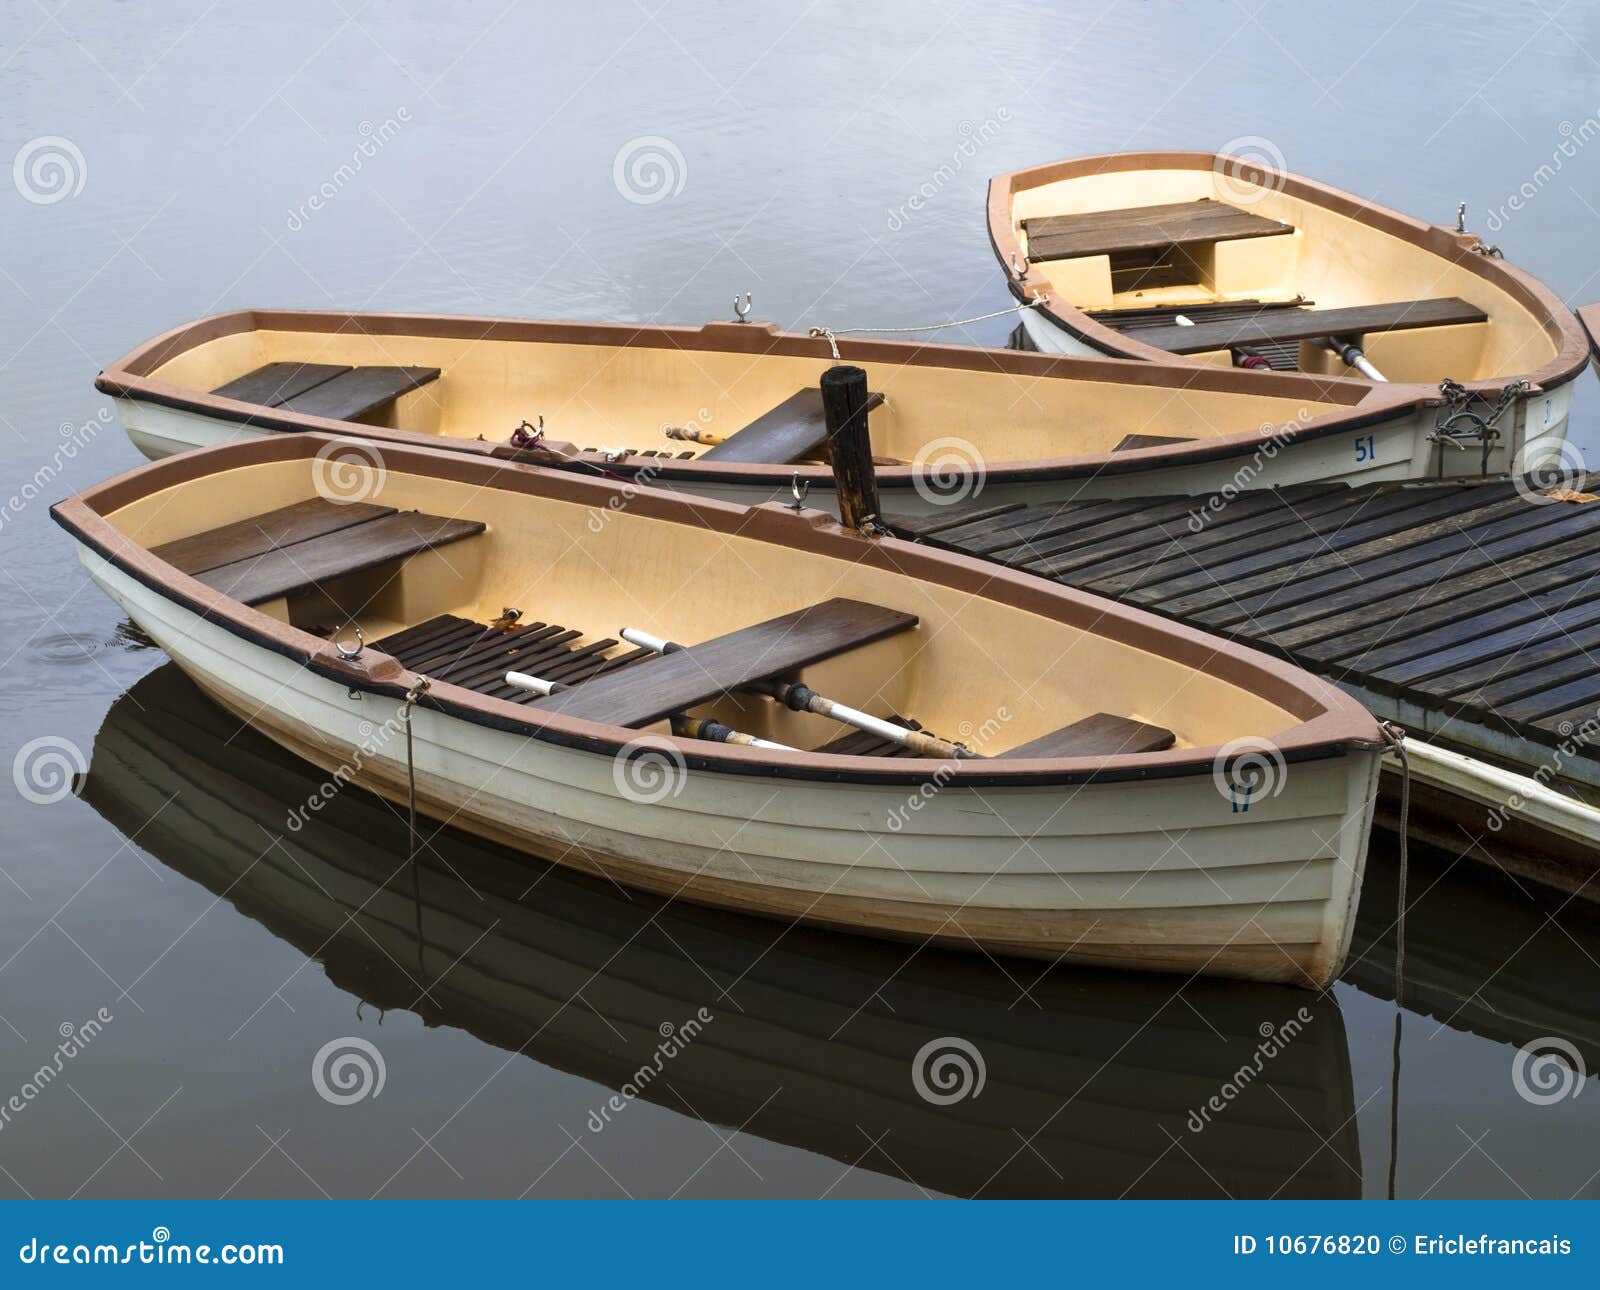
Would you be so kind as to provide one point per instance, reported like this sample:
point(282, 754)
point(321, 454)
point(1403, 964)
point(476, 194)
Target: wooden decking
point(1466, 611)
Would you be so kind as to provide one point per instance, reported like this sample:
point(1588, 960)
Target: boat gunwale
point(1331, 724)
point(1549, 311)
point(1365, 403)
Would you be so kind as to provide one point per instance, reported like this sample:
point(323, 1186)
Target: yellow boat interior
point(1140, 248)
point(724, 394)
point(466, 569)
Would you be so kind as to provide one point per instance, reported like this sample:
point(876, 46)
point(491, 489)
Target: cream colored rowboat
point(1123, 249)
point(811, 1035)
point(1111, 814)
point(956, 424)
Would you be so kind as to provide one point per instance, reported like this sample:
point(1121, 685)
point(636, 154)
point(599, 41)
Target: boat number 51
point(1365, 449)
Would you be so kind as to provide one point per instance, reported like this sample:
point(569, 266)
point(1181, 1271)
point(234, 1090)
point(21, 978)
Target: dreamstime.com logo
point(649, 770)
point(1247, 770)
point(160, 1249)
point(48, 769)
point(344, 472)
point(948, 471)
point(948, 1070)
point(48, 170)
point(1553, 479)
point(649, 169)
point(1247, 168)
point(348, 1070)
point(1548, 1070)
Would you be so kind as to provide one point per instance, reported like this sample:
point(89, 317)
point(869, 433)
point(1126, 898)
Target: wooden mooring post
point(848, 447)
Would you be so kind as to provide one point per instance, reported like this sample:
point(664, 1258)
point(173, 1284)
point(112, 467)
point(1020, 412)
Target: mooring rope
point(418, 688)
point(1395, 737)
point(830, 334)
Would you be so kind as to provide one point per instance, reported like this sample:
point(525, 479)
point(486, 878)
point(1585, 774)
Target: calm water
point(506, 1004)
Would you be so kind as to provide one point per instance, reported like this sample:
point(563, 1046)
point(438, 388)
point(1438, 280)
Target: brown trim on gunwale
point(1589, 316)
point(1548, 308)
point(1366, 403)
point(1331, 723)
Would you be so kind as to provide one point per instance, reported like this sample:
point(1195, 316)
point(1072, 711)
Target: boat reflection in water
point(1092, 1083)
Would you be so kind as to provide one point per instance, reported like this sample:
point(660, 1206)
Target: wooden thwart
point(681, 680)
point(1143, 228)
point(793, 431)
point(1280, 325)
point(1100, 735)
point(294, 548)
point(326, 390)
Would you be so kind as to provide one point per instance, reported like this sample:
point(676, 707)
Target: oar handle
point(535, 683)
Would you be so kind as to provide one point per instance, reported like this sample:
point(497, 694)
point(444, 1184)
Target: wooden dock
point(1467, 613)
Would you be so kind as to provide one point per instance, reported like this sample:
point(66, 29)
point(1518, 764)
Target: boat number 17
point(1365, 449)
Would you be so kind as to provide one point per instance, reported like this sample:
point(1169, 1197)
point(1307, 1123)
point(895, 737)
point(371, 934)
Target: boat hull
point(1391, 449)
point(1161, 874)
point(1535, 433)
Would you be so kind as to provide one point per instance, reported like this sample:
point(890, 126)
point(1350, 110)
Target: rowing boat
point(814, 1039)
point(850, 731)
point(733, 411)
point(1220, 261)
point(1589, 316)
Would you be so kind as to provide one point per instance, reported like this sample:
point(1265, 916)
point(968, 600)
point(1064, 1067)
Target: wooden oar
point(683, 725)
point(690, 434)
point(1353, 356)
point(802, 698)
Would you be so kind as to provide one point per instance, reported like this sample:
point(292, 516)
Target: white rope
point(830, 333)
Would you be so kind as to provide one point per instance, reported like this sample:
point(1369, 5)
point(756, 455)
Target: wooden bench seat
point(1280, 325)
point(1143, 228)
point(677, 682)
point(1101, 735)
point(326, 390)
point(790, 432)
point(295, 548)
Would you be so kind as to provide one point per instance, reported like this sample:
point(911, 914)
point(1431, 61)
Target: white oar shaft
point(682, 724)
point(1353, 356)
point(803, 699)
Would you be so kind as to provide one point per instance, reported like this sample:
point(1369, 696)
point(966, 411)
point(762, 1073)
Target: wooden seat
point(295, 548)
point(1143, 228)
point(326, 390)
point(676, 682)
point(1280, 325)
point(1102, 735)
point(790, 432)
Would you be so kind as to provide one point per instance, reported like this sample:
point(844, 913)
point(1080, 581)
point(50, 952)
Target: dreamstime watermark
point(1555, 478)
point(73, 440)
point(75, 1037)
point(674, 1039)
point(649, 169)
point(1248, 769)
point(1548, 1070)
point(973, 737)
point(973, 138)
point(1247, 169)
point(1274, 1039)
point(1281, 433)
point(348, 1070)
point(948, 1070)
point(374, 738)
point(1574, 740)
point(1573, 139)
point(160, 1250)
point(345, 471)
point(48, 769)
point(374, 138)
point(600, 516)
point(948, 471)
point(648, 770)
point(48, 170)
